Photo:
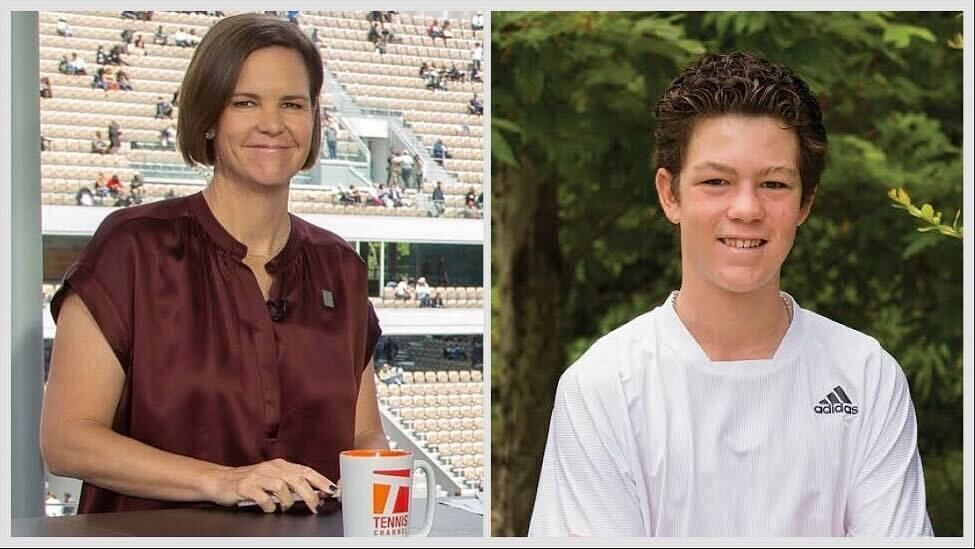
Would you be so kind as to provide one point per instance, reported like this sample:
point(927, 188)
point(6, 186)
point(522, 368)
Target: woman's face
point(264, 134)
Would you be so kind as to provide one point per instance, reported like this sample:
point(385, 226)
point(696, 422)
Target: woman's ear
point(665, 182)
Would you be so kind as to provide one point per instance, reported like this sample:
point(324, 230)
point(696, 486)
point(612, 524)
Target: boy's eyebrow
point(719, 167)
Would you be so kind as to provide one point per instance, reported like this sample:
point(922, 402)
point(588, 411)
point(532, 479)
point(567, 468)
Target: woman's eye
point(243, 103)
point(294, 106)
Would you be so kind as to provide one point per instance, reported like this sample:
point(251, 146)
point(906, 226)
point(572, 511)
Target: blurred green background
point(580, 245)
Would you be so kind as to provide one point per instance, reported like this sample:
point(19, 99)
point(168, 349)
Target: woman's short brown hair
point(211, 79)
point(740, 83)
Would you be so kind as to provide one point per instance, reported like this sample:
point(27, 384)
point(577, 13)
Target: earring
point(209, 134)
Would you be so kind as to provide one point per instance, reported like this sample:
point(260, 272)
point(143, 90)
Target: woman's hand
point(257, 483)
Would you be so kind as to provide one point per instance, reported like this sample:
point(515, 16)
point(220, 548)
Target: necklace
point(785, 301)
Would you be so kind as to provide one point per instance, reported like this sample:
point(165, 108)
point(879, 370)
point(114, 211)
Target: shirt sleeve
point(585, 487)
point(105, 278)
point(373, 331)
point(887, 497)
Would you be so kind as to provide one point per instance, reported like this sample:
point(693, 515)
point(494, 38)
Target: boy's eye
point(714, 182)
point(775, 185)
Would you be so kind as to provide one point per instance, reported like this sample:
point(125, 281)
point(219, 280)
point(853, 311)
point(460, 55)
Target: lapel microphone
point(278, 309)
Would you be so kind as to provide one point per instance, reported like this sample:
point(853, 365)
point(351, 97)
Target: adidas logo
point(836, 402)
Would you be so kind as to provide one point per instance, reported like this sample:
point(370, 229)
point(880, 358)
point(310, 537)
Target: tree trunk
point(529, 352)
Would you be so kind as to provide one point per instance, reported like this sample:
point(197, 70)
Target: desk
point(218, 521)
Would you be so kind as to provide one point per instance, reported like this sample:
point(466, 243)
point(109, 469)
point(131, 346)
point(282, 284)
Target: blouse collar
point(216, 231)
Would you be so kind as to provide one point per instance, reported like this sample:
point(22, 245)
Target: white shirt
point(651, 438)
point(477, 53)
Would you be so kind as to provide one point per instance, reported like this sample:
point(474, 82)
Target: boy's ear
point(665, 182)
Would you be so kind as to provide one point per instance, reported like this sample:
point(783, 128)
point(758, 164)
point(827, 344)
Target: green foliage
point(574, 92)
point(925, 213)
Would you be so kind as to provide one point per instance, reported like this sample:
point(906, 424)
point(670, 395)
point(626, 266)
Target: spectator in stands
point(140, 44)
point(446, 31)
point(45, 144)
point(163, 108)
point(84, 197)
point(114, 137)
point(182, 39)
point(480, 200)
point(115, 56)
point(475, 106)
point(434, 31)
point(155, 298)
point(375, 33)
point(381, 45)
point(62, 28)
point(108, 79)
point(99, 145)
point(129, 15)
point(476, 74)
point(345, 198)
point(167, 137)
point(137, 190)
point(423, 292)
point(46, 88)
point(470, 199)
point(418, 170)
point(455, 75)
point(314, 36)
point(160, 38)
point(477, 21)
point(100, 57)
point(114, 186)
point(294, 16)
point(53, 506)
point(391, 375)
point(406, 168)
point(101, 187)
point(440, 152)
point(98, 80)
point(77, 65)
point(122, 78)
point(64, 67)
point(438, 200)
point(395, 195)
point(403, 290)
point(194, 39)
point(332, 141)
point(126, 35)
point(477, 54)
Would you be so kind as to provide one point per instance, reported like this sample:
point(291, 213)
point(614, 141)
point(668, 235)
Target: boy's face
point(738, 205)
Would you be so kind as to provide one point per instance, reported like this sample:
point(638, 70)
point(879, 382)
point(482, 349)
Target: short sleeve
point(887, 497)
point(373, 331)
point(104, 277)
point(585, 488)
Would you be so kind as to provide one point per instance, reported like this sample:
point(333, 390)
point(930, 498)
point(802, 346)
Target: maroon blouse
point(208, 372)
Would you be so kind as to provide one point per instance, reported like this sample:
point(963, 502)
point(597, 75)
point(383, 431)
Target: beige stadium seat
point(407, 376)
point(396, 389)
point(478, 435)
point(465, 376)
point(431, 377)
point(467, 436)
point(442, 377)
point(406, 388)
point(406, 413)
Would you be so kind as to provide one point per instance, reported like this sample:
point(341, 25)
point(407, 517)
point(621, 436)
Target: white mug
point(376, 492)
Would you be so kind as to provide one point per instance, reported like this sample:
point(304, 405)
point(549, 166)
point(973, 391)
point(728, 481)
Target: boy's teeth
point(735, 243)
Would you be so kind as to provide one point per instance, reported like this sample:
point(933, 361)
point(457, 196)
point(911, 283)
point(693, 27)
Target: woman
point(214, 348)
